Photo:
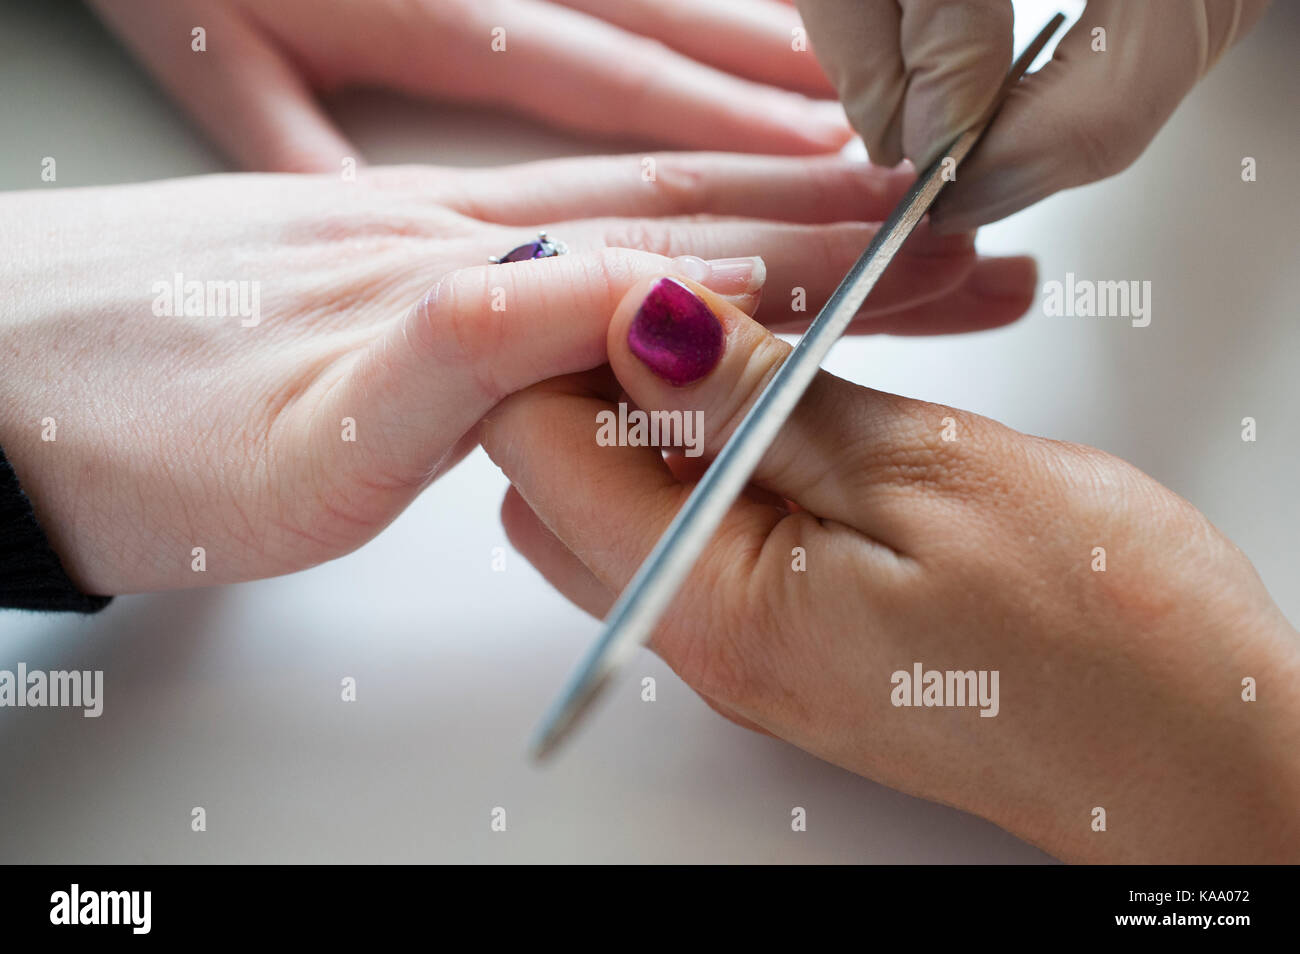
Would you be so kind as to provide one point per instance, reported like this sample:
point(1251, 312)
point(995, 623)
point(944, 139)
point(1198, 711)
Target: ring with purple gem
point(542, 248)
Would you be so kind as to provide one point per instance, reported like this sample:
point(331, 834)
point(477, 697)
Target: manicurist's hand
point(915, 73)
point(272, 367)
point(731, 75)
point(885, 535)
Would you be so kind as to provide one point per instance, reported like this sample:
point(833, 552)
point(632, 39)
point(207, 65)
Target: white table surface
point(229, 698)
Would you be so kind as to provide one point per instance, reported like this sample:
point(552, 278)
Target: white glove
point(913, 74)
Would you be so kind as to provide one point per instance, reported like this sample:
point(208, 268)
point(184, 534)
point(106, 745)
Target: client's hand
point(886, 539)
point(272, 367)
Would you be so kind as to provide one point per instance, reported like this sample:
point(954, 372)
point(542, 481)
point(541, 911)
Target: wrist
point(32, 576)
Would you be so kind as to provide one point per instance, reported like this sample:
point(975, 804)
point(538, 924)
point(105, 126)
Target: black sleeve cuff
point(31, 576)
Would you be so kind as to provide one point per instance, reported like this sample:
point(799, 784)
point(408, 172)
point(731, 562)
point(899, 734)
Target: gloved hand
point(913, 74)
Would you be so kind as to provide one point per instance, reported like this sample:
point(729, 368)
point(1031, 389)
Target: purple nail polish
point(675, 333)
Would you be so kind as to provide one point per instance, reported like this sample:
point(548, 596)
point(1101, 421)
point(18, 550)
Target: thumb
point(681, 352)
point(912, 74)
point(484, 332)
point(956, 56)
point(1114, 80)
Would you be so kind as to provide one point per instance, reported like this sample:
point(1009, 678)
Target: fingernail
point(726, 276)
point(828, 122)
point(815, 121)
point(675, 334)
point(901, 177)
point(1006, 277)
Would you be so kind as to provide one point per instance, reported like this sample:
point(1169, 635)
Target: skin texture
point(1119, 689)
point(377, 306)
point(725, 72)
point(914, 73)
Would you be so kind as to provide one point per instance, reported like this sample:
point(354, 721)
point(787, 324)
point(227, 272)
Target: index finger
point(804, 190)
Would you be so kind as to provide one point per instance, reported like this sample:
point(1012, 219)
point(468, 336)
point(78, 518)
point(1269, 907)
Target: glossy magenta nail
point(675, 334)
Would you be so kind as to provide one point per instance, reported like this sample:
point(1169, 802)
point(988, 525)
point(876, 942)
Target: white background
point(229, 698)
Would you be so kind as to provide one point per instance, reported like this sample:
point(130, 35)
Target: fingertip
point(674, 327)
point(810, 126)
point(1011, 277)
point(728, 277)
point(517, 519)
point(982, 194)
point(884, 152)
point(829, 124)
point(978, 202)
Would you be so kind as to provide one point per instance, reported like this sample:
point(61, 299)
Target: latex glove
point(869, 543)
point(913, 74)
point(677, 72)
point(140, 433)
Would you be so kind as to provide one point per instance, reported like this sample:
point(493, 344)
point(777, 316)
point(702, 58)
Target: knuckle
point(928, 447)
point(681, 185)
point(609, 273)
point(373, 228)
point(709, 657)
point(1148, 533)
point(719, 643)
point(760, 609)
point(638, 73)
point(1103, 142)
point(619, 267)
point(838, 245)
point(455, 324)
point(1099, 491)
point(645, 235)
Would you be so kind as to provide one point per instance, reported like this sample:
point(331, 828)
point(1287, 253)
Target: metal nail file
point(650, 592)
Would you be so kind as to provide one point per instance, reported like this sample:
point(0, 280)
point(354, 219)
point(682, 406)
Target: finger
point(996, 292)
point(857, 43)
point(757, 39)
point(956, 55)
point(570, 576)
point(809, 190)
point(1089, 113)
point(847, 454)
point(912, 74)
point(675, 348)
point(583, 73)
point(691, 470)
point(477, 335)
point(605, 501)
point(240, 90)
point(556, 562)
point(731, 715)
point(544, 439)
point(805, 262)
